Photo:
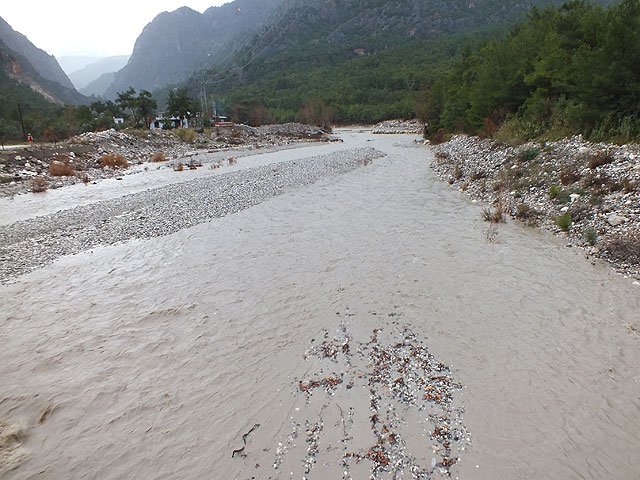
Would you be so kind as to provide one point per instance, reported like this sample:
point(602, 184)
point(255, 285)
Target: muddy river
point(219, 351)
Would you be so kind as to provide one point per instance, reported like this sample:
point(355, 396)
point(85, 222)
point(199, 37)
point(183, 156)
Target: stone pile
point(267, 135)
point(587, 191)
point(136, 148)
point(399, 127)
point(409, 394)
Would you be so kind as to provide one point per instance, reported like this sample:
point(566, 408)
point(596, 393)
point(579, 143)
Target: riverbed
point(156, 357)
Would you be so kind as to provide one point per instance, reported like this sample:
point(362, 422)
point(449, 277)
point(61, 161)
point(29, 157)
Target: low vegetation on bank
point(588, 191)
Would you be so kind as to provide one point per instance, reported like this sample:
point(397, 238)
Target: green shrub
point(186, 135)
point(529, 154)
point(564, 221)
point(591, 236)
point(595, 200)
point(557, 193)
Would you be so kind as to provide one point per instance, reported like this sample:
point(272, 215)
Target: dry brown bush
point(158, 157)
point(440, 136)
point(628, 185)
point(599, 159)
point(457, 171)
point(526, 213)
point(497, 215)
point(61, 169)
point(625, 248)
point(600, 183)
point(39, 184)
point(113, 160)
point(568, 175)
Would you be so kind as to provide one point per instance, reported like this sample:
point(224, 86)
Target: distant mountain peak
point(175, 44)
point(28, 65)
point(45, 64)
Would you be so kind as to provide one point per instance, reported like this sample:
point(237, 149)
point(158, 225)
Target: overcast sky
point(95, 28)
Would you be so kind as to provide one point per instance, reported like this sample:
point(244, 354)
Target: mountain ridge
point(82, 77)
point(26, 64)
point(46, 65)
point(175, 44)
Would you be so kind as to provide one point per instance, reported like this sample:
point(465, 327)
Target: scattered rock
point(33, 243)
point(537, 182)
point(614, 219)
point(84, 151)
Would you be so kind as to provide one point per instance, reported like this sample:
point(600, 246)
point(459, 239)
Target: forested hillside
point(365, 60)
point(575, 69)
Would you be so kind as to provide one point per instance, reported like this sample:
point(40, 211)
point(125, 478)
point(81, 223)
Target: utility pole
point(205, 106)
point(24, 133)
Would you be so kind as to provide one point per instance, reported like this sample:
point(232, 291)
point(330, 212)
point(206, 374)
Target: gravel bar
point(34, 243)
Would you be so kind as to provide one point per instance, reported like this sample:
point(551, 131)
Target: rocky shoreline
point(31, 244)
point(585, 191)
point(39, 167)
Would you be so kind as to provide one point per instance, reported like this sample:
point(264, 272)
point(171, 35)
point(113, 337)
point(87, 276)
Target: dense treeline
point(562, 71)
point(573, 69)
point(359, 86)
point(16, 98)
point(23, 111)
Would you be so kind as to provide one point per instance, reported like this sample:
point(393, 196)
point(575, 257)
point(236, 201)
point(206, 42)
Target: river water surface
point(151, 359)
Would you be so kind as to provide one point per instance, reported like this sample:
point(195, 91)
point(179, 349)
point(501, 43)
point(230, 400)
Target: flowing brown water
point(152, 359)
